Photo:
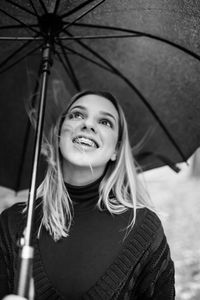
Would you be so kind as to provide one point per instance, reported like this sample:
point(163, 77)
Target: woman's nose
point(89, 125)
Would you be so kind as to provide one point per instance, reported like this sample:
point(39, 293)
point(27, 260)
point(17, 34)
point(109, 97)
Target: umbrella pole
point(27, 251)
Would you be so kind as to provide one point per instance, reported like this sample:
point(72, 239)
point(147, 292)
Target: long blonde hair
point(119, 190)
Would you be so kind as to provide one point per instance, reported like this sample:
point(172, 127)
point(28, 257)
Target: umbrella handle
point(25, 271)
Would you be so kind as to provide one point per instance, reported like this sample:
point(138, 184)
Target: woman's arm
point(4, 289)
point(10, 224)
point(159, 282)
point(156, 281)
point(4, 261)
point(153, 276)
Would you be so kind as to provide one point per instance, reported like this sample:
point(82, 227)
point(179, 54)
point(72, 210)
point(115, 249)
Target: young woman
point(95, 233)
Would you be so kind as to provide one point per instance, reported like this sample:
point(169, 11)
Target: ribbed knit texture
point(142, 270)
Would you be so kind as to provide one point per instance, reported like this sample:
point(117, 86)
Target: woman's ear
point(113, 157)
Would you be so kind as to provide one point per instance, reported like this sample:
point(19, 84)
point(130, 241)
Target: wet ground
point(178, 197)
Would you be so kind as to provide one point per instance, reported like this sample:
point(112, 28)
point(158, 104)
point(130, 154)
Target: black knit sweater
point(94, 262)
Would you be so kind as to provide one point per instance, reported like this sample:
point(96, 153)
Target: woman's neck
point(80, 176)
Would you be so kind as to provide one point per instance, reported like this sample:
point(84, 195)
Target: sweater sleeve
point(10, 220)
point(157, 279)
point(152, 278)
point(4, 258)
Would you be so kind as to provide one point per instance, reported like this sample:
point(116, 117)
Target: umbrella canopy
point(144, 52)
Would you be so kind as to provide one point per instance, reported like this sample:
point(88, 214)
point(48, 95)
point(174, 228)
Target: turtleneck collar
point(86, 196)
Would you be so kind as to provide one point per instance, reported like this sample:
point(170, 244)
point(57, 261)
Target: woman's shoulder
point(148, 227)
point(15, 215)
point(145, 215)
point(13, 211)
point(12, 217)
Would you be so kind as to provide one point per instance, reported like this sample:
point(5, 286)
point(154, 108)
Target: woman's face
point(89, 133)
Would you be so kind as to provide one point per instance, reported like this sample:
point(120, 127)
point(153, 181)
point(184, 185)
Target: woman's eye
point(106, 123)
point(76, 115)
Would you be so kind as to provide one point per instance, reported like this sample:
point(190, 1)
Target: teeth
point(85, 141)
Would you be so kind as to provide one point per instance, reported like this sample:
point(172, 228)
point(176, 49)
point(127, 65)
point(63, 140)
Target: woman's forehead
point(95, 102)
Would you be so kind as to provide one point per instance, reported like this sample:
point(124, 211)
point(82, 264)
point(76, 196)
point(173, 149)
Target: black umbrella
point(144, 52)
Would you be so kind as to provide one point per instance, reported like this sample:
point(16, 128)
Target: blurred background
point(177, 197)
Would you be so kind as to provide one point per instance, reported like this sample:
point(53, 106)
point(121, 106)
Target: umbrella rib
point(74, 77)
point(67, 71)
point(17, 20)
point(20, 59)
point(141, 34)
point(43, 6)
point(87, 58)
point(15, 26)
point(145, 102)
point(76, 8)
point(21, 7)
point(20, 38)
point(14, 53)
point(33, 7)
point(96, 37)
point(84, 14)
point(64, 65)
point(56, 6)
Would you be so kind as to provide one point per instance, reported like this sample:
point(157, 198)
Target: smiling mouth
point(85, 142)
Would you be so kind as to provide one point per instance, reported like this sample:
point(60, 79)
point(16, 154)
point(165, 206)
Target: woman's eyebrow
point(79, 106)
point(105, 113)
point(108, 114)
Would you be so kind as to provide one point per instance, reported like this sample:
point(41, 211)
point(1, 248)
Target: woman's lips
point(85, 141)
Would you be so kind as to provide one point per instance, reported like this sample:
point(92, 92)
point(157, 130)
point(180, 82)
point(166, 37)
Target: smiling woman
point(96, 233)
point(88, 137)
